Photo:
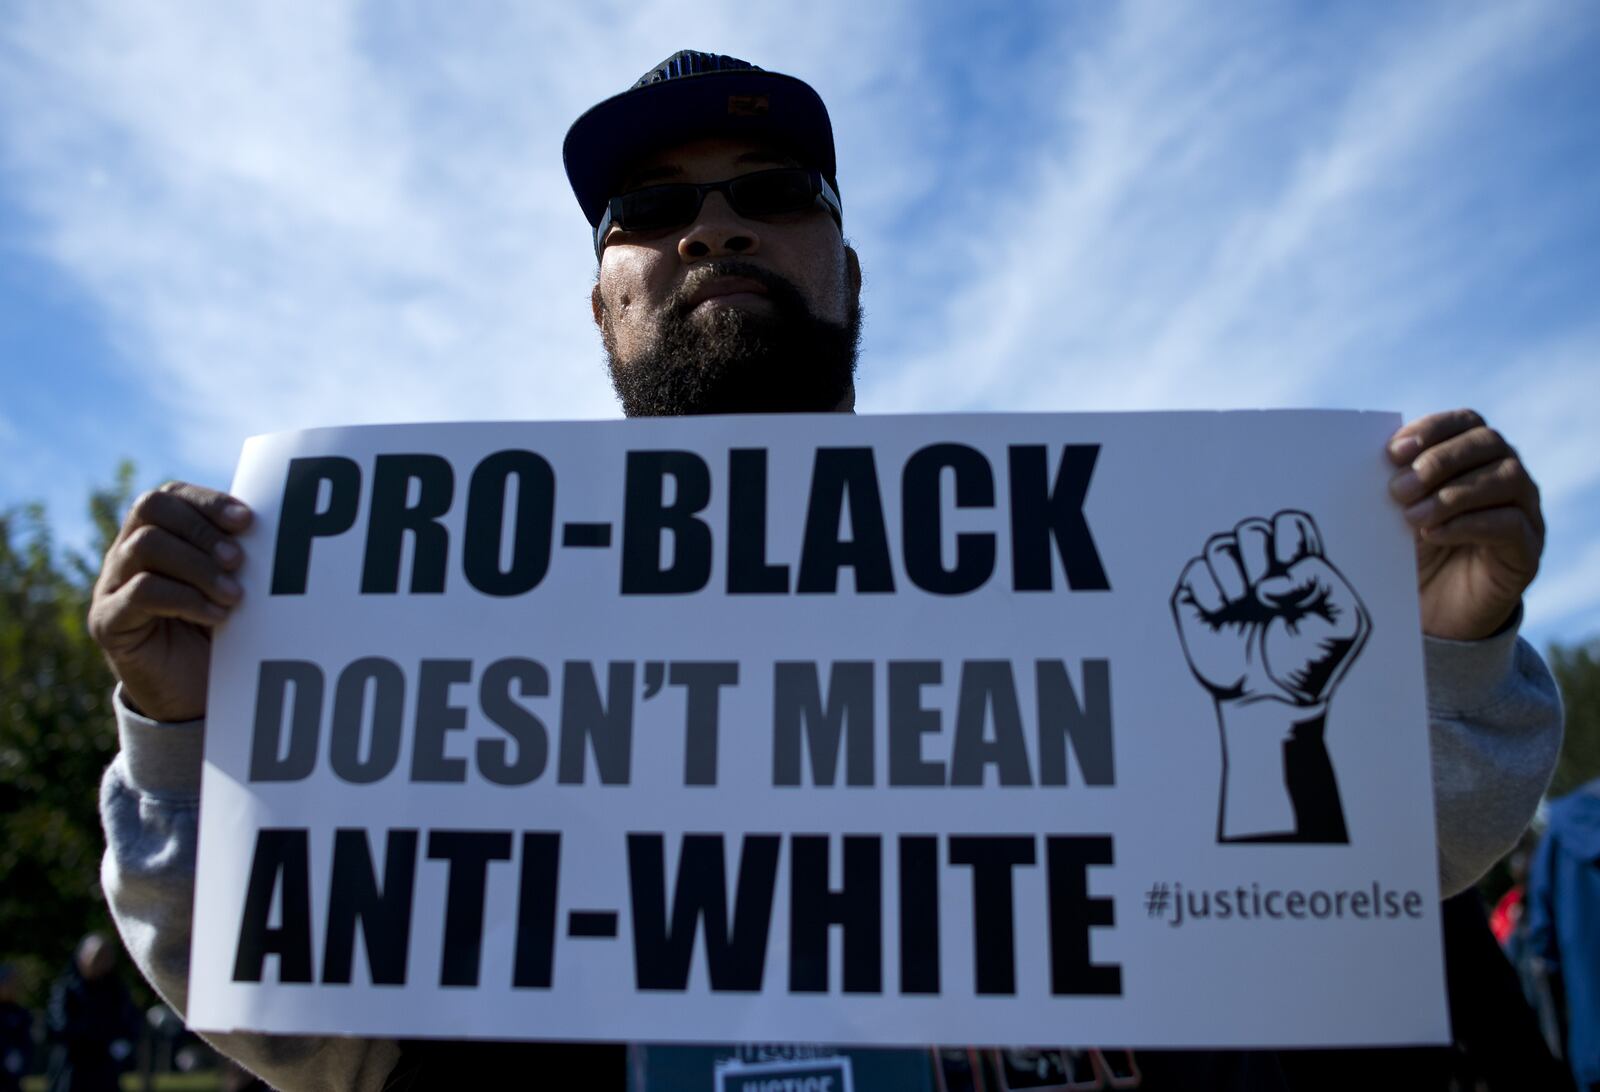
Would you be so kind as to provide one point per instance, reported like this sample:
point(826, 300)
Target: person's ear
point(596, 304)
point(852, 263)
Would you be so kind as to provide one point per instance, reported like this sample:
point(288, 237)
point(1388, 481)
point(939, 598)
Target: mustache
point(783, 293)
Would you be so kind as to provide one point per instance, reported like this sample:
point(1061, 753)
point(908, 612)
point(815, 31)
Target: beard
point(735, 361)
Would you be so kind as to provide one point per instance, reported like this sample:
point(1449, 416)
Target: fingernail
point(226, 552)
point(219, 613)
point(1405, 447)
point(1419, 511)
point(235, 513)
point(228, 586)
point(1406, 486)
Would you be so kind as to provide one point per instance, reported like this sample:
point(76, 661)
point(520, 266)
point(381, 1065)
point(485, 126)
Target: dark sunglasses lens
point(657, 207)
point(768, 193)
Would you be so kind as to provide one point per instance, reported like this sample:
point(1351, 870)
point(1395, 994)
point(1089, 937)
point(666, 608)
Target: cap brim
point(617, 133)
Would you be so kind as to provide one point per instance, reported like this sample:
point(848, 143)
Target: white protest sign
point(1017, 729)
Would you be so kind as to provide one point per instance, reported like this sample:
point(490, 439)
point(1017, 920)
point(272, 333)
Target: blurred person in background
point(92, 1021)
point(1563, 919)
point(1507, 921)
point(16, 1033)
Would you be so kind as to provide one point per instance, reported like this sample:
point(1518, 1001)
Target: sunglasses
point(758, 196)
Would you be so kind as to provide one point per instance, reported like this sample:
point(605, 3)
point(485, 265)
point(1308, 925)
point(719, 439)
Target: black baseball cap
point(688, 96)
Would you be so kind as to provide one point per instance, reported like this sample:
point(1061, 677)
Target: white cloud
point(1212, 224)
point(266, 220)
point(1546, 398)
point(1545, 402)
point(1570, 594)
point(321, 212)
point(324, 212)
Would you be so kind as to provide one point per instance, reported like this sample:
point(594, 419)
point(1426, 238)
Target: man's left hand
point(1475, 514)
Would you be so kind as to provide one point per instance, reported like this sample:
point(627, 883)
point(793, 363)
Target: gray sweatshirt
point(1494, 714)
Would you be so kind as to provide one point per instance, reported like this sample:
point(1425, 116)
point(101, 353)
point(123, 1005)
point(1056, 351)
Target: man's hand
point(164, 584)
point(1263, 615)
point(1475, 513)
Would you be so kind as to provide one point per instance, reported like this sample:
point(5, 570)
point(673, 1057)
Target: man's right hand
point(165, 582)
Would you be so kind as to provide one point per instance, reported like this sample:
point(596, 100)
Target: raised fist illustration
point(1270, 627)
point(1263, 614)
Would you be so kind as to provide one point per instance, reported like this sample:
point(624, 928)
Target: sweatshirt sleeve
point(1495, 717)
point(149, 805)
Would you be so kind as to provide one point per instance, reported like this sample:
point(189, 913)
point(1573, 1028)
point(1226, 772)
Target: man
point(725, 285)
point(1563, 907)
point(91, 1020)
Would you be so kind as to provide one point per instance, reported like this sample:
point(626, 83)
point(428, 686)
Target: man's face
point(96, 957)
point(728, 314)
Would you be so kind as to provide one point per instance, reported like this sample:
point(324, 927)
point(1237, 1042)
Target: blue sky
point(223, 219)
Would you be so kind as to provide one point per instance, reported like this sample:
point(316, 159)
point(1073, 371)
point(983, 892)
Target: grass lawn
point(164, 1082)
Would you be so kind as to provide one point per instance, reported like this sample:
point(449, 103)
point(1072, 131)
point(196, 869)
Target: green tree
point(1577, 670)
point(57, 734)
